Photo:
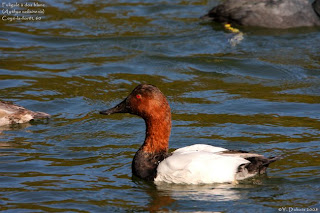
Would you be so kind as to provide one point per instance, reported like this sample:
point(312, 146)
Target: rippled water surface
point(261, 95)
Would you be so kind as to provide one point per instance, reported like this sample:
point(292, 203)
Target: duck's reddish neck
point(158, 128)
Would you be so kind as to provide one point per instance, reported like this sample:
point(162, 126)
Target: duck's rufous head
point(146, 101)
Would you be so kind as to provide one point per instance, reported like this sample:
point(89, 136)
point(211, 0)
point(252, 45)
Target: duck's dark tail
point(257, 165)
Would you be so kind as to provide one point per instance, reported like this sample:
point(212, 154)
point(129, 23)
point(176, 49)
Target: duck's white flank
point(200, 164)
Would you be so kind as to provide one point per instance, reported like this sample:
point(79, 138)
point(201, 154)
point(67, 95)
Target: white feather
point(199, 164)
point(198, 148)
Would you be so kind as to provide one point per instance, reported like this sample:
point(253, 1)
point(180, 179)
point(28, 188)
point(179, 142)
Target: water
point(261, 95)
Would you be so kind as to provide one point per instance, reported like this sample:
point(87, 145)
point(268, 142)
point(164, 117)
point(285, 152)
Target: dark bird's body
point(281, 14)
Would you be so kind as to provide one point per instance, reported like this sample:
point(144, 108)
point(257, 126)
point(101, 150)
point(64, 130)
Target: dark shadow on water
point(158, 201)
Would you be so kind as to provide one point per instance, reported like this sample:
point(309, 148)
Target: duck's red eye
point(138, 96)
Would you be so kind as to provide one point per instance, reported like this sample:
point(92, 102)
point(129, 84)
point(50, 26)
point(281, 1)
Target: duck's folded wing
point(198, 167)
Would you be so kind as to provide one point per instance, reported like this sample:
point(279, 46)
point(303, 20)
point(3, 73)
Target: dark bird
point(281, 14)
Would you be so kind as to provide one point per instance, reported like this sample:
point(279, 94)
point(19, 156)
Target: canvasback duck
point(14, 114)
point(195, 164)
point(280, 14)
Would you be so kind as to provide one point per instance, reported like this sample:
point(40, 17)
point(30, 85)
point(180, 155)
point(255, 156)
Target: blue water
point(261, 95)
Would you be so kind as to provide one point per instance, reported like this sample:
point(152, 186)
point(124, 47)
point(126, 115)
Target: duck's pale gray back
point(11, 114)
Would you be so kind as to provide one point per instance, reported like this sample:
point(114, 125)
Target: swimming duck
point(14, 114)
point(280, 14)
point(195, 164)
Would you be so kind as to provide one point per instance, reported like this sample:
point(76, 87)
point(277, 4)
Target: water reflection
point(221, 192)
point(14, 127)
point(164, 195)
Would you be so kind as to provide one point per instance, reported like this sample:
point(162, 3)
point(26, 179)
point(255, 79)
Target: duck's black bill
point(120, 108)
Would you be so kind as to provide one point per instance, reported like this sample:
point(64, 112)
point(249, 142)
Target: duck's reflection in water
point(211, 192)
point(163, 196)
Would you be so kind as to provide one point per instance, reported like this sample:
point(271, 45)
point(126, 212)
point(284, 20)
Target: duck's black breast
point(145, 164)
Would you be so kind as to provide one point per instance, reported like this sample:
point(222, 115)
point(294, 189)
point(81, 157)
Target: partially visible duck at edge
point(280, 14)
point(13, 114)
point(195, 164)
